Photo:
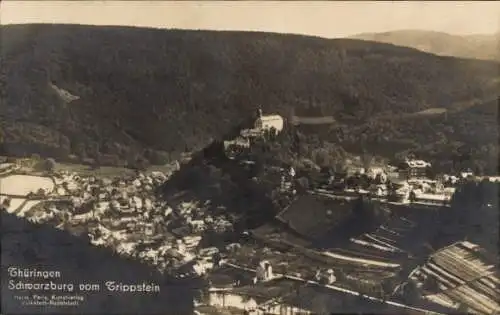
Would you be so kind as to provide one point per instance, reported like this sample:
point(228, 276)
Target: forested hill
point(468, 46)
point(115, 91)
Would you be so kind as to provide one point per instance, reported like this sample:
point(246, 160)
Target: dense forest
point(119, 95)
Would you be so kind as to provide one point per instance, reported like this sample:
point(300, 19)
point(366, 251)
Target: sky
point(326, 19)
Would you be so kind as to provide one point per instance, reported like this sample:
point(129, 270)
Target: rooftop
point(393, 241)
point(376, 254)
point(304, 262)
point(226, 276)
point(313, 216)
point(417, 163)
point(314, 297)
point(433, 197)
point(267, 290)
point(462, 275)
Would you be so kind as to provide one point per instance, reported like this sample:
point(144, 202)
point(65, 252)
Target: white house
point(414, 169)
point(264, 271)
point(266, 122)
point(466, 173)
point(149, 229)
point(226, 298)
point(239, 142)
point(494, 179)
point(380, 190)
point(137, 183)
point(436, 199)
point(168, 211)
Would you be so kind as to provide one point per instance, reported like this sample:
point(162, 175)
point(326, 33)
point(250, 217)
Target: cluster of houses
point(92, 198)
point(405, 183)
point(458, 278)
point(409, 180)
point(382, 252)
point(247, 281)
point(414, 186)
point(124, 214)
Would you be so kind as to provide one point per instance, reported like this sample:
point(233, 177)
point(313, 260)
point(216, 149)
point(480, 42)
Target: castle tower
point(259, 112)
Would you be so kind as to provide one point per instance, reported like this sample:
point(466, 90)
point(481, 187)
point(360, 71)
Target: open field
point(427, 112)
point(105, 171)
point(298, 120)
point(22, 185)
point(432, 111)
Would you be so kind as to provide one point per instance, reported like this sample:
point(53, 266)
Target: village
point(274, 270)
point(120, 213)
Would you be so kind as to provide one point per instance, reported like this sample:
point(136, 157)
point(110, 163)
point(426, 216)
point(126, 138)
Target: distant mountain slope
point(129, 92)
point(470, 46)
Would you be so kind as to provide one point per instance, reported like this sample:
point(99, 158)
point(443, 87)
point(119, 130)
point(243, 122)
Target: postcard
point(249, 157)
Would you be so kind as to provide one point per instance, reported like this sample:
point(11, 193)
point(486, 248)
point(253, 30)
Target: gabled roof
point(313, 216)
point(226, 276)
point(270, 117)
point(417, 163)
point(464, 276)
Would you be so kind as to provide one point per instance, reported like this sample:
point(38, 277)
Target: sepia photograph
point(249, 157)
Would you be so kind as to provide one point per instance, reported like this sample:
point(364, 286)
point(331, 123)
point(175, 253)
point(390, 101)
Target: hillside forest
point(132, 96)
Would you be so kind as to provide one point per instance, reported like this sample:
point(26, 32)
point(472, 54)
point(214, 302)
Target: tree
point(139, 163)
point(157, 157)
point(430, 172)
point(97, 162)
point(51, 164)
point(411, 293)
point(388, 286)
point(6, 202)
point(65, 219)
point(302, 184)
point(378, 179)
point(93, 149)
point(322, 158)
point(35, 156)
point(272, 134)
point(478, 168)
point(364, 181)
point(2, 145)
point(412, 196)
point(80, 151)
point(340, 169)
point(47, 165)
point(367, 160)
